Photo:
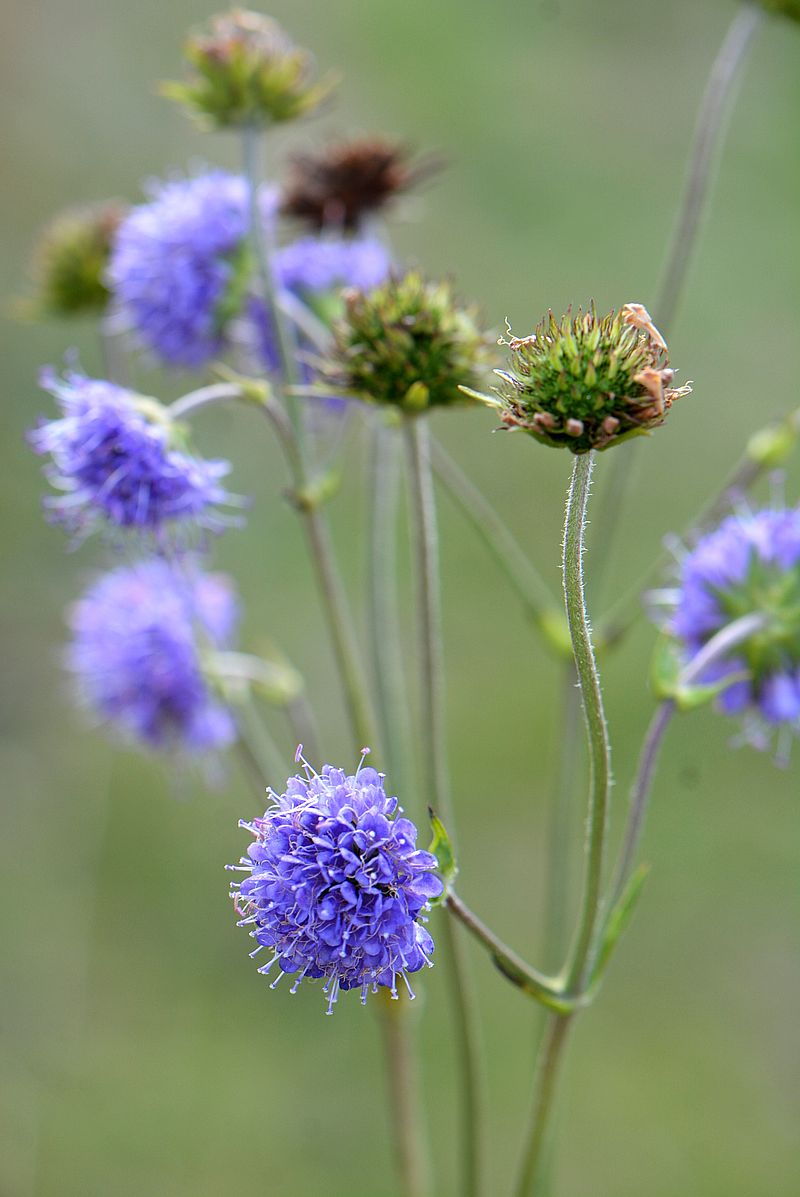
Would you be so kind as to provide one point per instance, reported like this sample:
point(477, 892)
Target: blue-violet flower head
point(337, 887)
point(118, 457)
point(749, 565)
point(138, 635)
point(312, 264)
point(181, 265)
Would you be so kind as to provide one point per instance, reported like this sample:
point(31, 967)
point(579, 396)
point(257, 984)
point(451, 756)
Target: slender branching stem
point(547, 990)
point(594, 717)
point(387, 652)
point(410, 1145)
point(578, 968)
point(434, 778)
point(497, 537)
point(716, 648)
point(216, 392)
point(709, 131)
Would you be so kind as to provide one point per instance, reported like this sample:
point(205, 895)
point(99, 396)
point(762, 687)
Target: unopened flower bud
point(247, 71)
point(406, 344)
point(588, 382)
point(70, 261)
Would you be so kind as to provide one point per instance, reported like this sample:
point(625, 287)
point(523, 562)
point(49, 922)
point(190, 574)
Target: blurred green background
point(140, 1051)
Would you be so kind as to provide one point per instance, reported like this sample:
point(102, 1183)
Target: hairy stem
point(435, 788)
point(590, 921)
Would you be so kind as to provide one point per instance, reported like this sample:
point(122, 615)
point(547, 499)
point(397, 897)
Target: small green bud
point(247, 72)
point(790, 8)
point(70, 261)
point(406, 344)
point(587, 382)
point(772, 446)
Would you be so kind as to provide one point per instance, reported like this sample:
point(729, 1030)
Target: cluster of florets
point(588, 381)
point(247, 71)
point(139, 635)
point(70, 260)
point(337, 888)
point(181, 265)
point(345, 183)
point(749, 565)
point(406, 344)
point(117, 457)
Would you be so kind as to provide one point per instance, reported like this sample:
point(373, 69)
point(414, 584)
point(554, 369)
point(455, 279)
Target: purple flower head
point(181, 265)
point(313, 265)
point(138, 637)
point(749, 565)
point(118, 457)
point(337, 888)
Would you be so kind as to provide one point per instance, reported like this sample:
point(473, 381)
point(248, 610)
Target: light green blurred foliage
point(139, 1050)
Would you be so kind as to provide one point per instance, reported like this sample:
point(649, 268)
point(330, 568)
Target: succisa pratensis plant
point(289, 294)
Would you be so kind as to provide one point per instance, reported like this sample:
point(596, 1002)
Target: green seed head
point(70, 261)
point(407, 344)
point(246, 72)
point(588, 382)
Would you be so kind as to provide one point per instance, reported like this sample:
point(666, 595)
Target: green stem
point(559, 822)
point(594, 718)
point(709, 130)
point(387, 651)
point(435, 789)
point(498, 539)
point(545, 1082)
point(578, 967)
point(546, 990)
point(412, 1161)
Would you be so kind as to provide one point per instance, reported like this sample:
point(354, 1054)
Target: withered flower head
point(406, 344)
point(247, 71)
point(790, 8)
point(588, 382)
point(70, 261)
point(345, 182)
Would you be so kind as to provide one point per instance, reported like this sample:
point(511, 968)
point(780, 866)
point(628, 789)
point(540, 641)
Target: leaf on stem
point(442, 848)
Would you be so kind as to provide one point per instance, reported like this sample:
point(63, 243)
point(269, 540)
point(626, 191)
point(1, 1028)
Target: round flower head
point(181, 266)
point(119, 458)
point(749, 565)
point(71, 258)
point(337, 889)
point(406, 344)
point(587, 382)
point(138, 638)
point(345, 183)
point(247, 72)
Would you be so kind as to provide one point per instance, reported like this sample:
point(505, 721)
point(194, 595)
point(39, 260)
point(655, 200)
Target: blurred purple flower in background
point(113, 456)
point(750, 564)
point(317, 264)
point(181, 267)
point(337, 887)
point(138, 638)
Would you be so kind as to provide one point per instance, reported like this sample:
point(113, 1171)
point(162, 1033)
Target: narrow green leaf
point(618, 920)
point(442, 848)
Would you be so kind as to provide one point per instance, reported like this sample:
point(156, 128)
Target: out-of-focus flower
point(588, 381)
point(749, 565)
point(181, 266)
point(119, 458)
point(345, 183)
point(312, 265)
point(406, 344)
point(247, 72)
point(138, 636)
point(70, 260)
point(337, 888)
